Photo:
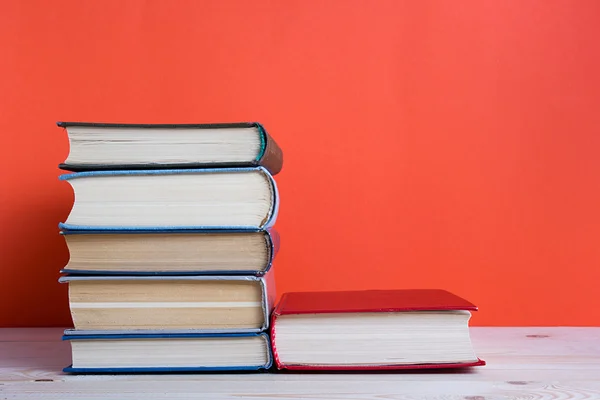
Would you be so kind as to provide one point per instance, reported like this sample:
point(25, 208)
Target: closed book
point(373, 329)
point(184, 252)
point(169, 304)
point(168, 353)
point(114, 146)
point(244, 199)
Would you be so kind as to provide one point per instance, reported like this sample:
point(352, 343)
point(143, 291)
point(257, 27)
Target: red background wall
point(427, 143)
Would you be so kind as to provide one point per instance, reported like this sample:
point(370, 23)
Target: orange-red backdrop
point(427, 143)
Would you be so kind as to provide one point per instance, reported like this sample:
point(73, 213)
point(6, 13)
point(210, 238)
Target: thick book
point(168, 353)
point(165, 200)
point(375, 329)
point(109, 146)
point(169, 304)
point(185, 252)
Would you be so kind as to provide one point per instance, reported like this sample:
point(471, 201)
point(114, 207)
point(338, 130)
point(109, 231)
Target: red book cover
point(367, 301)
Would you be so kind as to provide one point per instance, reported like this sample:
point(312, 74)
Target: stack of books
point(171, 240)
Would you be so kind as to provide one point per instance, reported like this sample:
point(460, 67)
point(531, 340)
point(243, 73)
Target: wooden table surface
point(523, 363)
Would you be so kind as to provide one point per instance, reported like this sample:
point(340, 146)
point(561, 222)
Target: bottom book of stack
point(169, 353)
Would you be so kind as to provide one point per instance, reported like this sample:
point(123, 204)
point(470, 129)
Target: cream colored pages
point(166, 304)
point(186, 252)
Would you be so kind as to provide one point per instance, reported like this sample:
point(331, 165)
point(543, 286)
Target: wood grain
point(523, 363)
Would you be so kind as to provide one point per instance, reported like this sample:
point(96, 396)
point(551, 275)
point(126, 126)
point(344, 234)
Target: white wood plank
point(345, 389)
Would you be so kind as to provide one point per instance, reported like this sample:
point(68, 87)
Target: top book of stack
point(109, 146)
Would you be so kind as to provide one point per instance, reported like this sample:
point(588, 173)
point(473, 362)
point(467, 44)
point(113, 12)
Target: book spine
point(271, 218)
point(273, 331)
point(273, 244)
point(272, 157)
point(269, 297)
point(273, 335)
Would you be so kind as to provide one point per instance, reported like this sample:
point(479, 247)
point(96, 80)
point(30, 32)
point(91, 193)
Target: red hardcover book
point(374, 329)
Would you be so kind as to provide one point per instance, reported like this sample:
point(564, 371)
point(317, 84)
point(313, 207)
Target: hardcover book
point(375, 329)
point(186, 252)
point(174, 353)
point(243, 199)
point(110, 146)
point(169, 304)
